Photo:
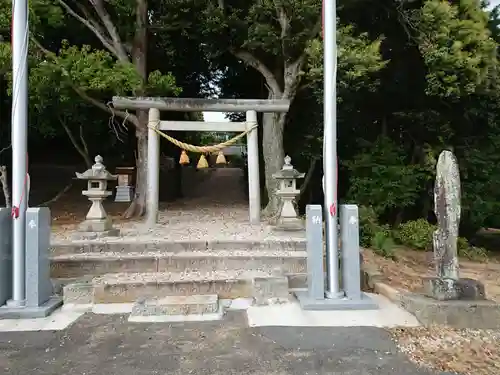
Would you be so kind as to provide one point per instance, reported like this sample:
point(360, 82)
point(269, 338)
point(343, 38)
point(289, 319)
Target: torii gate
point(156, 104)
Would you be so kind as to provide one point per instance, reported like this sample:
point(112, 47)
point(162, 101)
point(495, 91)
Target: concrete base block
point(31, 312)
point(307, 303)
point(479, 314)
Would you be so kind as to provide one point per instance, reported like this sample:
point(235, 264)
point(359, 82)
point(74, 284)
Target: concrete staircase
point(164, 273)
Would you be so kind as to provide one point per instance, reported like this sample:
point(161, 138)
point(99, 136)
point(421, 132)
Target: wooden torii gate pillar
point(157, 104)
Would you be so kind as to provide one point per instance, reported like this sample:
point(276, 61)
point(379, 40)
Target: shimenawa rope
point(200, 149)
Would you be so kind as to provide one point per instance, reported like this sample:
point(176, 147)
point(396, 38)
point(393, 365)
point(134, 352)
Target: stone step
point(127, 245)
point(85, 264)
point(177, 309)
point(177, 305)
point(130, 287)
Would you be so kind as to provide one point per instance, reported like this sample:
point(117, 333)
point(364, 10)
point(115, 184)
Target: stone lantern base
point(287, 218)
point(289, 224)
point(96, 228)
point(91, 234)
point(97, 225)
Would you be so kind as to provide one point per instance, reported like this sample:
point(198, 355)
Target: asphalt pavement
point(109, 345)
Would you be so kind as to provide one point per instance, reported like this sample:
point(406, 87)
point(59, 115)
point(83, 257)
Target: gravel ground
point(461, 351)
point(215, 210)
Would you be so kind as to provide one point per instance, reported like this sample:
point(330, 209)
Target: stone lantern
point(287, 218)
point(97, 223)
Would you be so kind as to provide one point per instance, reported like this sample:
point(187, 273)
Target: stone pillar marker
point(447, 209)
point(447, 284)
point(5, 255)
point(40, 301)
point(287, 218)
point(315, 298)
point(97, 223)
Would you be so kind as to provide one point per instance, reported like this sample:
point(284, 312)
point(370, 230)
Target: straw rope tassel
point(221, 159)
point(184, 159)
point(202, 163)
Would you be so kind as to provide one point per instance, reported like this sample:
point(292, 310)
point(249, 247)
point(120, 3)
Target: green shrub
point(374, 235)
point(462, 245)
point(383, 244)
point(475, 253)
point(470, 252)
point(368, 225)
point(416, 234)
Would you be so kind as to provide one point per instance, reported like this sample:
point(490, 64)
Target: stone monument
point(97, 223)
point(447, 285)
point(287, 218)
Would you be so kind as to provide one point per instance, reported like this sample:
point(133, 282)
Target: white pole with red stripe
point(330, 147)
point(19, 147)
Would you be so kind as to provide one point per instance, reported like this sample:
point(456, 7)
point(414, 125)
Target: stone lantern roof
point(288, 171)
point(97, 172)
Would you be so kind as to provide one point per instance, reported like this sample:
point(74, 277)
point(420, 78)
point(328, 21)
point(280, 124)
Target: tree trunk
point(138, 205)
point(308, 178)
point(4, 181)
point(272, 148)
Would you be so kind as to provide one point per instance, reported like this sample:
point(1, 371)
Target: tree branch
point(309, 175)
point(292, 76)
point(125, 115)
point(284, 23)
point(258, 65)
point(110, 27)
point(84, 143)
point(5, 148)
point(58, 195)
point(91, 25)
point(82, 151)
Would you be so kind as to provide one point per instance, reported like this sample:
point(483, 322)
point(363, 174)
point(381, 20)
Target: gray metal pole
point(330, 146)
point(19, 145)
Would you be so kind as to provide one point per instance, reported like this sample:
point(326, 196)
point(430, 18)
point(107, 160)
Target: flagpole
point(19, 147)
point(330, 147)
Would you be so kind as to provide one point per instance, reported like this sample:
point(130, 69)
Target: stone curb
point(457, 314)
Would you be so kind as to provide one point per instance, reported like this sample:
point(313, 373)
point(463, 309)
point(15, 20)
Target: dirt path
point(223, 186)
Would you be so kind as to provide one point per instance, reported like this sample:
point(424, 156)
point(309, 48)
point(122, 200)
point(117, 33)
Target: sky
point(215, 116)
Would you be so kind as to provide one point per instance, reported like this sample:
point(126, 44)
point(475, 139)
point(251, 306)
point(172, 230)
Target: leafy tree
point(271, 37)
point(118, 67)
